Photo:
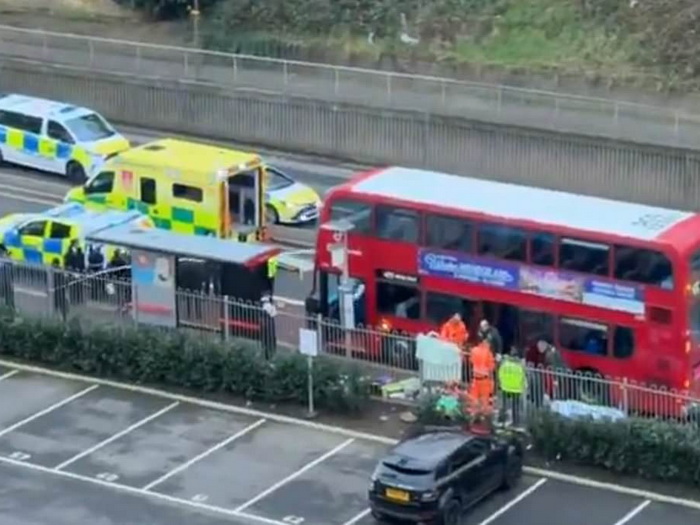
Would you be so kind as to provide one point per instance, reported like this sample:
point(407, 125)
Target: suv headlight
point(430, 495)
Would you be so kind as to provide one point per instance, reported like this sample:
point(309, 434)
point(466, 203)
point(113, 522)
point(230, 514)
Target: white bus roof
point(40, 107)
point(511, 201)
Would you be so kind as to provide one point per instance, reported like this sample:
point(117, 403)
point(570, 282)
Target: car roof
point(186, 160)
point(89, 221)
point(41, 107)
point(518, 202)
point(431, 447)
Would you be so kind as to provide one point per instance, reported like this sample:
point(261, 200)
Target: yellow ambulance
point(185, 187)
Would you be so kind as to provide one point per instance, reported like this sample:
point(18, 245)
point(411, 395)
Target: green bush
point(176, 359)
point(645, 448)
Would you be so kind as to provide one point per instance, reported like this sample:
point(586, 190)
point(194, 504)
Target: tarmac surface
point(498, 104)
point(76, 453)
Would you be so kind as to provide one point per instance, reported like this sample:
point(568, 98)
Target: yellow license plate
point(398, 495)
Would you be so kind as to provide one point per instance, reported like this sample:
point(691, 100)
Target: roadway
point(542, 110)
point(97, 452)
point(27, 191)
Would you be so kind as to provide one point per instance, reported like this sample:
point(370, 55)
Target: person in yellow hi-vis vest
point(272, 265)
point(512, 379)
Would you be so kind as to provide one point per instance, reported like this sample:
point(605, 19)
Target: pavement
point(105, 454)
point(531, 108)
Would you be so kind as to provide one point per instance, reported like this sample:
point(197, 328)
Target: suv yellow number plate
point(398, 495)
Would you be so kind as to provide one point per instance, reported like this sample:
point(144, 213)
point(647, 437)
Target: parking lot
point(78, 453)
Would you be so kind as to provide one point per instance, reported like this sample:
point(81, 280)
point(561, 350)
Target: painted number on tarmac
point(20, 456)
point(199, 498)
point(293, 520)
point(107, 476)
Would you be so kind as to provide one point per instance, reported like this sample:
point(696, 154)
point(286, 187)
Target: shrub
point(646, 448)
point(173, 358)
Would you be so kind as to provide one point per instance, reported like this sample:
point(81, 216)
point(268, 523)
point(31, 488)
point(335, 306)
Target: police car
point(44, 238)
point(288, 201)
point(55, 137)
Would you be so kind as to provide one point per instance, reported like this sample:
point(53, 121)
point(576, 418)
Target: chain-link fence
point(488, 102)
point(395, 366)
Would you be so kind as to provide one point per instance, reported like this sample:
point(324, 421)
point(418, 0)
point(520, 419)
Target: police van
point(55, 137)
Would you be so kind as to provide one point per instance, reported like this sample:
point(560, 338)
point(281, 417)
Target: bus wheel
point(592, 387)
point(75, 173)
point(271, 215)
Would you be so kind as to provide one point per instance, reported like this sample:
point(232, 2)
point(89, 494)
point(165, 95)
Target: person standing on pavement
point(455, 331)
point(512, 378)
point(481, 388)
point(557, 370)
point(491, 335)
point(269, 332)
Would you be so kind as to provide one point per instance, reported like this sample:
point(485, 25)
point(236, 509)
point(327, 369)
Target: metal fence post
point(625, 396)
point(227, 318)
point(336, 80)
point(50, 291)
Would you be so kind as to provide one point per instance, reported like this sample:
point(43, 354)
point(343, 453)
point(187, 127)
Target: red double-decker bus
point(614, 285)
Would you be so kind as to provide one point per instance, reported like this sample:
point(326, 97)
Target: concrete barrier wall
point(661, 176)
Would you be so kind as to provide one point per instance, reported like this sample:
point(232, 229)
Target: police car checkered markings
point(54, 136)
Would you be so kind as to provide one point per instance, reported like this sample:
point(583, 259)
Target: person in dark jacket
point(74, 263)
point(490, 335)
point(562, 381)
point(7, 289)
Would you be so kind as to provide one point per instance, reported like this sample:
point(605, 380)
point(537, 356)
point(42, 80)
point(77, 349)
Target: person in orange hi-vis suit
point(481, 389)
point(455, 331)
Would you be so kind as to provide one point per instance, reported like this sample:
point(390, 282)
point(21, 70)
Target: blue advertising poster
point(544, 282)
point(467, 268)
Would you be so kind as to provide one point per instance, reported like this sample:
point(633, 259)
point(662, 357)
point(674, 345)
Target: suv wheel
point(513, 471)
point(451, 513)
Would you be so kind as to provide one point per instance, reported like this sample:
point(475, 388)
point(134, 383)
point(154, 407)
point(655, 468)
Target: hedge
point(645, 448)
point(176, 359)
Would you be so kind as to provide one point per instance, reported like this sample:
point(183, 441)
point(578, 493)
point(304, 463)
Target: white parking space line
point(140, 492)
point(116, 436)
point(9, 374)
point(357, 518)
point(204, 454)
point(295, 475)
point(47, 410)
point(631, 514)
point(512, 503)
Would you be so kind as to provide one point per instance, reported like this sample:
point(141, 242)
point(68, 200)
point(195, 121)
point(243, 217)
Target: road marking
point(30, 191)
point(139, 492)
point(9, 374)
point(116, 436)
point(53, 407)
point(204, 454)
point(34, 200)
point(512, 503)
point(331, 429)
point(631, 514)
point(294, 475)
point(357, 518)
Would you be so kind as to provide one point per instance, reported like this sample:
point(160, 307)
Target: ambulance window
point(34, 229)
point(59, 230)
point(190, 193)
point(103, 183)
point(148, 190)
point(58, 132)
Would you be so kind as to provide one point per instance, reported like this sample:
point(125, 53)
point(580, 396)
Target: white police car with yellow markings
point(44, 238)
point(288, 201)
point(55, 137)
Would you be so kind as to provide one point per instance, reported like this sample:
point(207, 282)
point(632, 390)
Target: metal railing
point(489, 102)
point(389, 359)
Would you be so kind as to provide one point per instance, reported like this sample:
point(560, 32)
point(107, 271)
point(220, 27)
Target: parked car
point(435, 476)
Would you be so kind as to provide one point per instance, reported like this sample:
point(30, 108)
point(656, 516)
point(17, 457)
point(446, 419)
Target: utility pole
point(194, 12)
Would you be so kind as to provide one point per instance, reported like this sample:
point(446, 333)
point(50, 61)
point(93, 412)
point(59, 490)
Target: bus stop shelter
point(167, 267)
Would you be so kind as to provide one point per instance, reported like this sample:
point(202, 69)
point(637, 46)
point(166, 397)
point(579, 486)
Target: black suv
point(434, 476)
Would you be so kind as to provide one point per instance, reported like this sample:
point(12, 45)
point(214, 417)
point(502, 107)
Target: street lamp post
point(194, 12)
